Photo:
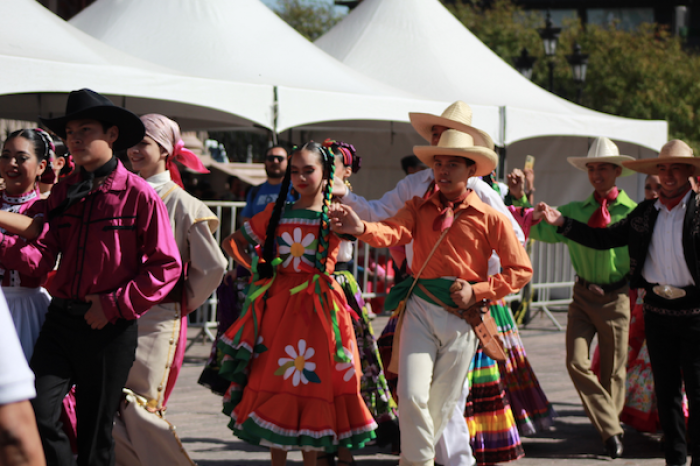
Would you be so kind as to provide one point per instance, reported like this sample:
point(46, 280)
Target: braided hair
point(265, 269)
point(345, 152)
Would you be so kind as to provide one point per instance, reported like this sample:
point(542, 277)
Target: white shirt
point(665, 263)
point(156, 181)
point(416, 185)
point(16, 379)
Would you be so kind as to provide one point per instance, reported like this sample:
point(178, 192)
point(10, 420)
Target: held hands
point(462, 294)
point(344, 220)
point(95, 316)
point(550, 214)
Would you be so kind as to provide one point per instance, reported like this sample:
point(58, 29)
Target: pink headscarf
point(166, 133)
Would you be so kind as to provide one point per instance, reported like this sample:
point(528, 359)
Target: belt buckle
point(668, 292)
point(596, 289)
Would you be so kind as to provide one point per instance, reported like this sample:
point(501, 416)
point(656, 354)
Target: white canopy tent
point(42, 57)
point(418, 46)
point(244, 41)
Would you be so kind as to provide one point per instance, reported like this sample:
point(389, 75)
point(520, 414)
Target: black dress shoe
point(613, 446)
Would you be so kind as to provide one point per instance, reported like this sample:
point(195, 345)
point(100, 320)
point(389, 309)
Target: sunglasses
point(274, 158)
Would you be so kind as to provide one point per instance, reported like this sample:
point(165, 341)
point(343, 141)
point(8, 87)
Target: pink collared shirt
point(116, 243)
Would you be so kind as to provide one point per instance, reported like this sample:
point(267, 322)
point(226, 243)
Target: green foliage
point(644, 74)
point(310, 18)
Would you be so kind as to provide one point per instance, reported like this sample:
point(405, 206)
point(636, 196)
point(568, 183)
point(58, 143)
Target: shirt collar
point(682, 204)
point(156, 181)
point(622, 198)
point(116, 181)
point(472, 200)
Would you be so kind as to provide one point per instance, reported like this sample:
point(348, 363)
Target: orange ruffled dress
point(292, 356)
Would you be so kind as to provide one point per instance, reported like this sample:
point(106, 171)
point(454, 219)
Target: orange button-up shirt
point(465, 250)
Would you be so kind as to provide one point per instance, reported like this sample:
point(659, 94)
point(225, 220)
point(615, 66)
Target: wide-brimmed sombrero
point(675, 151)
point(459, 144)
point(603, 150)
point(88, 104)
point(457, 116)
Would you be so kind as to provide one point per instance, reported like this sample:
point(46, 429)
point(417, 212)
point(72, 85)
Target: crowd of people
point(101, 267)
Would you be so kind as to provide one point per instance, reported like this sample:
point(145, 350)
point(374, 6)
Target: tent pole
point(275, 113)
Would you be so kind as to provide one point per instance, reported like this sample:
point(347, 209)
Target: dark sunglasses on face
point(274, 158)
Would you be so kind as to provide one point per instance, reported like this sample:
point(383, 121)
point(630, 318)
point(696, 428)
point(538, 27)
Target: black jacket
point(635, 231)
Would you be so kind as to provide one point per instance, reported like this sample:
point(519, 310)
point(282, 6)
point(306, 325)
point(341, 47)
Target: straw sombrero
point(675, 151)
point(457, 116)
point(459, 144)
point(603, 150)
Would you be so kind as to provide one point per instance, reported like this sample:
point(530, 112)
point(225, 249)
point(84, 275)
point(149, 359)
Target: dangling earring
point(293, 191)
point(347, 183)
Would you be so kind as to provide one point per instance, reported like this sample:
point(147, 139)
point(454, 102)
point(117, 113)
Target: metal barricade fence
point(552, 280)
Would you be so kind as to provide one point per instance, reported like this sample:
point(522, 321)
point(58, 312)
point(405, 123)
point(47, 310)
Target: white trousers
point(434, 355)
point(453, 448)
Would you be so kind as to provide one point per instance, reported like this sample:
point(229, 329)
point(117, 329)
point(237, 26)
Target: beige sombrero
point(675, 151)
point(459, 144)
point(457, 116)
point(603, 150)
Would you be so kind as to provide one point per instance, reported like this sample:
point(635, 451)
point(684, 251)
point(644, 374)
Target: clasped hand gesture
point(550, 214)
point(344, 220)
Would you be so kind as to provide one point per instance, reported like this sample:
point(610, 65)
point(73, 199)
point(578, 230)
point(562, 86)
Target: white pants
point(453, 448)
point(435, 352)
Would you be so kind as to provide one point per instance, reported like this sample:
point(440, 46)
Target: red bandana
point(447, 215)
point(601, 217)
point(671, 202)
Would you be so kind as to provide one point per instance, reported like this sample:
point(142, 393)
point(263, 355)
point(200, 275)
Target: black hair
point(106, 125)
point(276, 147)
point(411, 161)
point(40, 140)
point(265, 269)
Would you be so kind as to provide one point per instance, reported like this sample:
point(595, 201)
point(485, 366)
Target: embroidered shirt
point(116, 243)
point(665, 263)
point(596, 266)
point(465, 251)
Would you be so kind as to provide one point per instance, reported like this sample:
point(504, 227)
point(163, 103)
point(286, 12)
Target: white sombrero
point(603, 150)
point(457, 116)
point(459, 144)
point(675, 151)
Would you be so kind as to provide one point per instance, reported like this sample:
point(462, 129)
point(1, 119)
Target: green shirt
point(602, 267)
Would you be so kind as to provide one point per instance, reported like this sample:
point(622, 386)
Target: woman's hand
point(344, 220)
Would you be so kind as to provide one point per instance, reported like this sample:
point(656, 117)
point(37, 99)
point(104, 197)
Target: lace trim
point(669, 312)
point(19, 199)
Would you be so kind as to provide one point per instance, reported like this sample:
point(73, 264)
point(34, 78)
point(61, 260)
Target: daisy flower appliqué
point(349, 367)
point(296, 249)
point(297, 365)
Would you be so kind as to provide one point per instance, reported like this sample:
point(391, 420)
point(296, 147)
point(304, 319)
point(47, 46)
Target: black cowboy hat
point(88, 104)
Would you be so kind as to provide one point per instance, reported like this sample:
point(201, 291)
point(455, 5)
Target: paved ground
point(572, 441)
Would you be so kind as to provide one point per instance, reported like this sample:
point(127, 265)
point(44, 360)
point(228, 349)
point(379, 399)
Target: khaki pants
point(142, 435)
point(609, 317)
point(435, 352)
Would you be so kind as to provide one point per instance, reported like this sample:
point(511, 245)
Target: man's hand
point(462, 294)
point(516, 183)
point(551, 215)
point(344, 220)
point(95, 316)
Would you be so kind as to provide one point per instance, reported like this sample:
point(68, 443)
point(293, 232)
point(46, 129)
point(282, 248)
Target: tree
point(310, 18)
point(643, 74)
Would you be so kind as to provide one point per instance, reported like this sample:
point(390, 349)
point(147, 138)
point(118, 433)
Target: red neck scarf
point(601, 217)
point(447, 215)
point(671, 202)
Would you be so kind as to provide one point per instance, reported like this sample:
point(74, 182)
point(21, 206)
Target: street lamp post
point(550, 36)
point(524, 63)
point(579, 64)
